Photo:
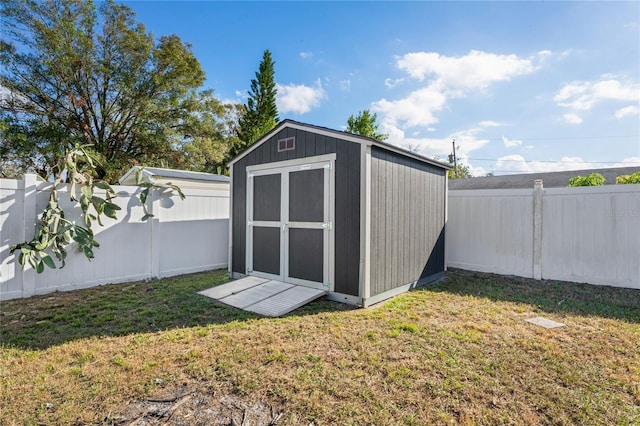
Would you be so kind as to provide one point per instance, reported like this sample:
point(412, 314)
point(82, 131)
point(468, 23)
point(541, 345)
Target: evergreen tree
point(260, 112)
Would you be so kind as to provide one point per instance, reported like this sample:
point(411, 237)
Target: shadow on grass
point(116, 310)
point(547, 295)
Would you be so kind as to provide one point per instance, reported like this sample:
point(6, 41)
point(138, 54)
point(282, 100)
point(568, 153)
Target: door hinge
point(328, 225)
point(250, 223)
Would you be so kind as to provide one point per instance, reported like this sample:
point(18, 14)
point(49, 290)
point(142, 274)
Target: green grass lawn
point(458, 352)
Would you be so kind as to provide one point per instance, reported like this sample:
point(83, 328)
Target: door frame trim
point(285, 167)
point(294, 162)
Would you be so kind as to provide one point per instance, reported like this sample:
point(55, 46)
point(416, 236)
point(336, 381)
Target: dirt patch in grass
point(459, 352)
point(190, 407)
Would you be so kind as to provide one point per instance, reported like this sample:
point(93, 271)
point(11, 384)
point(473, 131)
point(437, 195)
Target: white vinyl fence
point(184, 236)
point(587, 234)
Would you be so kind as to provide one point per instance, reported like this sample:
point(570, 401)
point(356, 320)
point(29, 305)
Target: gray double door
point(289, 222)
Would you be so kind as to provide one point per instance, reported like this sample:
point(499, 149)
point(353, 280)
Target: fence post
point(537, 229)
point(155, 235)
point(30, 217)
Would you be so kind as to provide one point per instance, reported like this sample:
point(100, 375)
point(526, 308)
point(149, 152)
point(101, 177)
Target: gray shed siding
point(407, 220)
point(347, 199)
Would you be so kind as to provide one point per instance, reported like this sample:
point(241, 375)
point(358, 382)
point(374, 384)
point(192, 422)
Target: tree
point(55, 232)
point(365, 125)
point(74, 74)
point(594, 179)
point(461, 171)
point(628, 179)
point(260, 112)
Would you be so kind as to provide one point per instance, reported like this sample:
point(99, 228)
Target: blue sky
point(520, 86)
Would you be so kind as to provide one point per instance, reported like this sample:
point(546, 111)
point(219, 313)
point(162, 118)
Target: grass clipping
point(459, 352)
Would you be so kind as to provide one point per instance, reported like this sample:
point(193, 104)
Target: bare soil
point(187, 406)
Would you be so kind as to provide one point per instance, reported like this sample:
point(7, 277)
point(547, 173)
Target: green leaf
point(88, 252)
point(47, 260)
point(113, 206)
point(33, 260)
point(42, 245)
point(103, 185)
point(97, 201)
point(39, 266)
point(109, 213)
point(146, 217)
point(143, 196)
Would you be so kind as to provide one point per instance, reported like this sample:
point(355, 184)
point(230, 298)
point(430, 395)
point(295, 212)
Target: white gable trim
point(337, 134)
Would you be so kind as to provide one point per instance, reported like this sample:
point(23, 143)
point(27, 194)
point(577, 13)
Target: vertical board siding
point(347, 199)
point(589, 235)
point(184, 236)
point(12, 214)
point(491, 231)
point(407, 220)
point(592, 235)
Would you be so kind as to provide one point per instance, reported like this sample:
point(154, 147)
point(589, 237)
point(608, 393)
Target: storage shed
point(361, 219)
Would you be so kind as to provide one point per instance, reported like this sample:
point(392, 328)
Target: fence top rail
point(519, 192)
point(12, 184)
point(490, 192)
point(604, 189)
point(127, 190)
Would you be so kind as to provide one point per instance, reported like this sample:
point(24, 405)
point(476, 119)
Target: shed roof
point(159, 173)
point(338, 134)
point(549, 179)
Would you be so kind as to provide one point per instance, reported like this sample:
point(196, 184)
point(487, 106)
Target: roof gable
point(362, 140)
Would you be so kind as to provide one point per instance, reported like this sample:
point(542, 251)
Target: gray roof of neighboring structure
point(176, 174)
point(185, 174)
point(549, 179)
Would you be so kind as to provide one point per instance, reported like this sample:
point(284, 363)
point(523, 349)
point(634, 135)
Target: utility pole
point(452, 157)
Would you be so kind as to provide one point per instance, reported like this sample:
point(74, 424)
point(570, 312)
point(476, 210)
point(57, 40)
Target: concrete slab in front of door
point(265, 297)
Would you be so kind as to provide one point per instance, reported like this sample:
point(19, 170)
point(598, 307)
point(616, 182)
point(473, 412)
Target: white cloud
point(473, 71)
point(417, 109)
point(298, 98)
point(447, 78)
point(627, 162)
point(510, 143)
point(572, 118)
point(391, 83)
point(489, 123)
point(306, 55)
point(518, 164)
point(627, 111)
point(345, 85)
point(583, 95)
point(466, 142)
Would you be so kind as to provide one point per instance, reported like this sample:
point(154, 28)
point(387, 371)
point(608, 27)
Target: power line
point(552, 161)
point(559, 138)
